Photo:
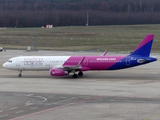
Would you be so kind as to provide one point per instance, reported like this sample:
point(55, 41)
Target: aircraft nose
point(4, 65)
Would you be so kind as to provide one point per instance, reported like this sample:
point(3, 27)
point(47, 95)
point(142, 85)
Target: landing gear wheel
point(80, 73)
point(19, 75)
point(75, 75)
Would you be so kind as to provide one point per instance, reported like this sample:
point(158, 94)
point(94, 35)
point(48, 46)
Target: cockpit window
point(10, 61)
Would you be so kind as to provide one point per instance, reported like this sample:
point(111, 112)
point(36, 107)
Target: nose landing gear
point(20, 75)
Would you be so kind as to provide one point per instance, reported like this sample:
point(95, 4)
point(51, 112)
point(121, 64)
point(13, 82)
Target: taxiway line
point(13, 108)
point(3, 116)
point(151, 117)
point(54, 108)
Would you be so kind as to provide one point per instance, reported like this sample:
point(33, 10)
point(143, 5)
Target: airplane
point(64, 65)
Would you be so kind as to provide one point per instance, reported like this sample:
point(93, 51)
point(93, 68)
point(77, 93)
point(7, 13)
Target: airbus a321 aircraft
point(64, 65)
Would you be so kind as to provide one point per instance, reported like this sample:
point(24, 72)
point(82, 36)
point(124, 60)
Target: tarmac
point(129, 94)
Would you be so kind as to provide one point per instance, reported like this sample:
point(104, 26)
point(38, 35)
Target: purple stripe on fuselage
point(94, 62)
point(147, 39)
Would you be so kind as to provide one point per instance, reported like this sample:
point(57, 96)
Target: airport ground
point(71, 38)
point(130, 94)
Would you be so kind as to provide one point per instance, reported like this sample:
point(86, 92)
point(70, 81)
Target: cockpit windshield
point(10, 61)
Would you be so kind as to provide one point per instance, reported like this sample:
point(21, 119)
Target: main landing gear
point(79, 74)
point(20, 75)
point(75, 75)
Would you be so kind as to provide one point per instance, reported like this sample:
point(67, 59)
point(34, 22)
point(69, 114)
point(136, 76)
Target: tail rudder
point(144, 48)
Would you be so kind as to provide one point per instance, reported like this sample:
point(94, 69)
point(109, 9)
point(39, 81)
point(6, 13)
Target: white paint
point(122, 115)
point(106, 58)
point(59, 102)
point(13, 108)
point(19, 112)
point(3, 115)
point(28, 103)
point(45, 99)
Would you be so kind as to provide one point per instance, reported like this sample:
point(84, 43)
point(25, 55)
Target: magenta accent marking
point(147, 39)
point(93, 62)
point(57, 72)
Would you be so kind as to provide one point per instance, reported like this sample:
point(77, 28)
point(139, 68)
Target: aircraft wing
point(70, 67)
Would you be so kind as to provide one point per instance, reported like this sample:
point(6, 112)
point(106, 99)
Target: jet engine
point(58, 72)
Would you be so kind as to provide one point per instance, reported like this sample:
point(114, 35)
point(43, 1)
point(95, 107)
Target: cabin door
point(18, 62)
point(47, 62)
point(128, 61)
point(85, 62)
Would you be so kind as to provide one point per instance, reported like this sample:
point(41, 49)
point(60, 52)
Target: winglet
point(104, 54)
point(144, 48)
point(80, 61)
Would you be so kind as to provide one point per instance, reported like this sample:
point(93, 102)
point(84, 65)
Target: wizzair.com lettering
point(74, 64)
point(33, 61)
point(106, 58)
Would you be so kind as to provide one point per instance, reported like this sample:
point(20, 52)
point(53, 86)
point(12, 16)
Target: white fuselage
point(35, 62)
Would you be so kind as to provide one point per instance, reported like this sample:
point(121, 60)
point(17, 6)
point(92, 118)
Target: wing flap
point(71, 67)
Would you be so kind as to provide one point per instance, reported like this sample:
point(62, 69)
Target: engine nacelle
point(58, 72)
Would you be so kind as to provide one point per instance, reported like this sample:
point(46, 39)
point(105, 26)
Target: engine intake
point(58, 72)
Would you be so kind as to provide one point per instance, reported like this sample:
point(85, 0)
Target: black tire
point(75, 75)
point(19, 75)
point(80, 73)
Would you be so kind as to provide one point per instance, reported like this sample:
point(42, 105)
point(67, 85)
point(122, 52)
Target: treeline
point(35, 13)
